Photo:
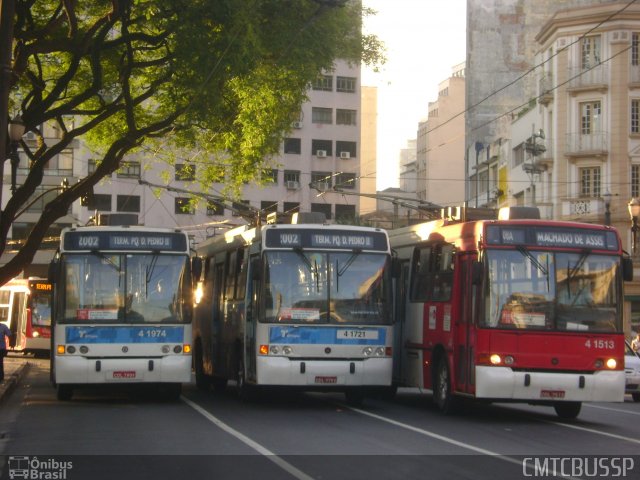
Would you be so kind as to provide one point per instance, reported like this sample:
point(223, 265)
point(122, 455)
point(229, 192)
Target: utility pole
point(7, 10)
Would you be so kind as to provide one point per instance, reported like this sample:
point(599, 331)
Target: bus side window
point(420, 274)
point(443, 275)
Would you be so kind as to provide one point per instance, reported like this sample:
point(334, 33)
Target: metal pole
point(634, 236)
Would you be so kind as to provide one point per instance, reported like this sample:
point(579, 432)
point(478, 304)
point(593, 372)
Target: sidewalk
point(15, 367)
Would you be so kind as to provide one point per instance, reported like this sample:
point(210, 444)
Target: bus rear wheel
point(567, 410)
point(64, 392)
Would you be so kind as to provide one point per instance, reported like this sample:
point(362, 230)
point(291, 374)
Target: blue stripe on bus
point(323, 335)
point(132, 334)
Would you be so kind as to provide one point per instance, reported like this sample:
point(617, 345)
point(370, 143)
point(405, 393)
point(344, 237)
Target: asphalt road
point(122, 434)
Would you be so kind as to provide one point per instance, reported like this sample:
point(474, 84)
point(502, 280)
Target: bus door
point(400, 315)
point(464, 337)
point(18, 323)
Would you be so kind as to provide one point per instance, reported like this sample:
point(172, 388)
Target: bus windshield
point(124, 288)
point(320, 287)
point(41, 309)
point(532, 289)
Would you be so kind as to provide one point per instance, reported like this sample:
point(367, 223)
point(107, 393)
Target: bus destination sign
point(122, 240)
point(552, 237)
point(325, 239)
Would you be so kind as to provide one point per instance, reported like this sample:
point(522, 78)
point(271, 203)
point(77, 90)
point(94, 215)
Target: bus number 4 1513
point(600, 344)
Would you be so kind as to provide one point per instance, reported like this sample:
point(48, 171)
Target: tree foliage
point(222, 78)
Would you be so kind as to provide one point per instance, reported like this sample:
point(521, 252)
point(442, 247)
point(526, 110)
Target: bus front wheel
point(442, 388)
point(567, 410)
point(64, 392)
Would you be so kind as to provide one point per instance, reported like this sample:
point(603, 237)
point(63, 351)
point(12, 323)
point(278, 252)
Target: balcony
point(581, 79)
point(594, 144)
point(545, 88)
point(583, 209)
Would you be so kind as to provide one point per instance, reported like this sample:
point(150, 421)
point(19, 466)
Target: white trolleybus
point(296, 305)
point(122, 307)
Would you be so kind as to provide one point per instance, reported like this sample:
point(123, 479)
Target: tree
point(223, 78)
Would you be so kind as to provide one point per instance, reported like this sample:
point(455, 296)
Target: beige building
point(368, 148)
point(440, 144)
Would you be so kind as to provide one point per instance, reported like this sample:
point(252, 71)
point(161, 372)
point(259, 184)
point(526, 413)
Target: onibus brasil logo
point(34, 468)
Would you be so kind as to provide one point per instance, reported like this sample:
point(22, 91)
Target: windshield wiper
point(313, 269)
point(573, 271)
point(535, 262)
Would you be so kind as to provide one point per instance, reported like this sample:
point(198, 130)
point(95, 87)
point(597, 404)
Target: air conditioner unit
point(292, 185)
point(297, 124)
point(321, 153)
point(345, 155)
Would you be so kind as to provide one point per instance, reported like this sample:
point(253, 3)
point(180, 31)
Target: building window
point(590, 54)
point(292, 176)
point(321, 180)
point(345, 117)
point(322, 208)
point(518, 155)
point(185, 172)
point(346, 147)
point(325, 146)
point(635, 116)
point(128, 203)
point(292, 145)
point(61, 164)
point(322, 115)
point(183, 206)
point(40, 197)
point(346, 84)
point(635, 181)
point(215, 208)
point(272, 176)
point(268, 206)
point(242, 209)
point(290, 208)
point(345, 180)
point(345, 213)
point(100, 202)
point(589, 181)
point(91, 166)
point(324, 83)
point(589, 117)
point(129, 170)
point(635, 46)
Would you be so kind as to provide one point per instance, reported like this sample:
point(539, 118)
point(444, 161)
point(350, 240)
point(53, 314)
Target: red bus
point(520, 310)
point(25, 307)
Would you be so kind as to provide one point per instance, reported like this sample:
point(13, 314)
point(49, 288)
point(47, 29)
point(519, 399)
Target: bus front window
point(528, 289)
point(320, 287)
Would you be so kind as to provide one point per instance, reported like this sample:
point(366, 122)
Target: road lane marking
point(619, 410)
point(442, 438)
point(299, 474)
point(591, 430)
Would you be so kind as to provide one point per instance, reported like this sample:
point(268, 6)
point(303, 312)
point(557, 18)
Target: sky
point(424, 40)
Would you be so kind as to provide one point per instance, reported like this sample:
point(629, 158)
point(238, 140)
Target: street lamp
point(634, 212)
point(16, 131)
point(607, 207)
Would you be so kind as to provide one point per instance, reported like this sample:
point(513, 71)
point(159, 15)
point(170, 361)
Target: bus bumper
point(323, 373)
point(503, 383)
point(80, 370)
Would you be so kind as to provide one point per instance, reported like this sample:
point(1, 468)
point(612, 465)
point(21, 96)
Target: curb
point(12, 380)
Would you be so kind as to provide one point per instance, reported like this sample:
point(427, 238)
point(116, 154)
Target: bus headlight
point(380, 351)
point(611, 363)
point(166, 349)
point(70, 349)
point(177, 349)
point(35, 334)
point(287, 350)
point(84, 349)
point(367, 351)
point(495, 359)
point(274, 350)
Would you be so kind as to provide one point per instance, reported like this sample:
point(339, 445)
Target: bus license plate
point(124, 374)
point(357, 334)
point(320, 379)
point(552, 394)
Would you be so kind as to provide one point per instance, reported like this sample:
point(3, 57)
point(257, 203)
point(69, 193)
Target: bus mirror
point(196, 268)
point(396, 268)
point(255, 269)
point(51, 274)
point(627, 269)
point(476, 273)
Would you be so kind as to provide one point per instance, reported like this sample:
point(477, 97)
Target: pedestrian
point(635, 343)
point(4, 332)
